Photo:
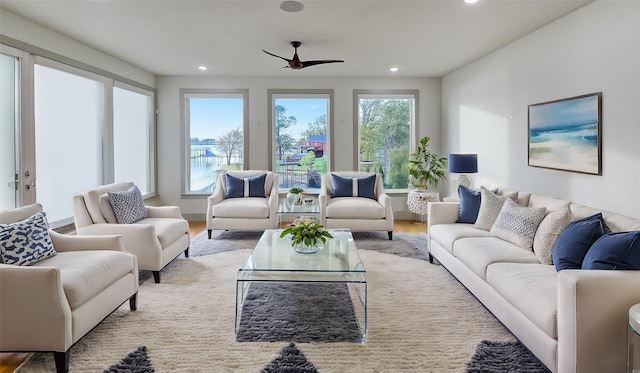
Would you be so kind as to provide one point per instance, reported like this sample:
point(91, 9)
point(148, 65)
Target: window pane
point(8, 167)
point(216, 139)
point(384, 131)
point(69, 117)
point(301, 140)
point(132, 125)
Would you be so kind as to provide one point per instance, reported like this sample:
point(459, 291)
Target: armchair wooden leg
point(62, 361)
point(186, 253)
point(209, 233)
point(430, 258)
point(133, 302)
point(156, 276)
point(390, 235)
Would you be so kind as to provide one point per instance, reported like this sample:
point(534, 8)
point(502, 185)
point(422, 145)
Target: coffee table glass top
point(285, 207)
point(275, 259)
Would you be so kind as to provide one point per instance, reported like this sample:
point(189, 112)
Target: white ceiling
point(424, 38)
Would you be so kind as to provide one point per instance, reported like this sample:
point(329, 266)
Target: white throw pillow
point(548, 233)
point(490, 206)
point(518, 224)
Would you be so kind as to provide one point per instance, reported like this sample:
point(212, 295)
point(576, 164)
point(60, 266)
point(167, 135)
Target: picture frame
point(566, 134)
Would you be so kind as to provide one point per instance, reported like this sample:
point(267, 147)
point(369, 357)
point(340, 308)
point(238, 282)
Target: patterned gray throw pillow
point(518, 224)
point(128, 206)
point(548, 233)
point(490, 206)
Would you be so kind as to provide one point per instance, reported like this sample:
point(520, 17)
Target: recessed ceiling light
point(291, 6)
point(202, 68)
point(470, 1)
point(393, 69)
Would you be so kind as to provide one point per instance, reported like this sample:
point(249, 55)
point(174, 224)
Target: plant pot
point(294, 198)
point(308, 249)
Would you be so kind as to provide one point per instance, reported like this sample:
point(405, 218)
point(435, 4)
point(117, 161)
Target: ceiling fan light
point(470, 1)
point(202, 68)
point(291, 6)
point(393, 69)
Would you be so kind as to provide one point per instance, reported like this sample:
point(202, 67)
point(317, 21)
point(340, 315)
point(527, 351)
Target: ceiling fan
point(295, 63)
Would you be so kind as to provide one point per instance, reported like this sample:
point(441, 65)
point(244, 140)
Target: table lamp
point(463, 164)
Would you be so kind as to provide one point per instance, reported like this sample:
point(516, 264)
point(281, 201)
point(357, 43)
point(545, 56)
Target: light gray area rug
point(420, 320)
point(406, 245)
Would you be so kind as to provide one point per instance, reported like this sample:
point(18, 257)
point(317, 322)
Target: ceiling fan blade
point(275, 55)
point(318, 62)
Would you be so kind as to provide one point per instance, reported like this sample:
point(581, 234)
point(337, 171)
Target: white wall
point(25, 31)
point(169, 122)
point(595, 49)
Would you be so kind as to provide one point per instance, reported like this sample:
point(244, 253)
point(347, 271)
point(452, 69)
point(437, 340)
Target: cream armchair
point(356, 213)
point(49, 305)
point(246, 213)
point(155, 240)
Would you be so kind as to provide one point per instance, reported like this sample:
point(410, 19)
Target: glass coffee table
point(274, 260)
point(304, 209)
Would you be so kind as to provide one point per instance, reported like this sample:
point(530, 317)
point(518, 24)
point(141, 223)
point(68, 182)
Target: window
point(9, 114)
point(300, 123)
point(133, 134)
point(69, 120)
point(215, 123)
point(385, 131)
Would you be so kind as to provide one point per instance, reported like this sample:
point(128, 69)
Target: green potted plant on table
point(425, 167)
point(294, 196)
point(307, 235)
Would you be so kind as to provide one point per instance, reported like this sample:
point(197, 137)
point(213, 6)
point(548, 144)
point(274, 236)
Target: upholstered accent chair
point(156, 239)
point(356, 201)
point(248, 209)
point(48, 305)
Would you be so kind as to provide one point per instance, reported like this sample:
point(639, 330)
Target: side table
point(633, 352)
point(418, 201)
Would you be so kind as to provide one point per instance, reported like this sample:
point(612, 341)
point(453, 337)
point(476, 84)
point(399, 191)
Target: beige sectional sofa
point(573, 320)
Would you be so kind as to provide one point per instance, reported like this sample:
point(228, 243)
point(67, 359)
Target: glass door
point(9, 119)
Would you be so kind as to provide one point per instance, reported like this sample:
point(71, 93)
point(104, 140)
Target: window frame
point(273, 94)
point(385, 94)
point(185, 132)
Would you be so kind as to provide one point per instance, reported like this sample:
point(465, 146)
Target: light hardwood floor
point(10, 361)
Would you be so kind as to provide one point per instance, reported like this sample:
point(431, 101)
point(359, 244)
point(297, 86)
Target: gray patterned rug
point(499, 357)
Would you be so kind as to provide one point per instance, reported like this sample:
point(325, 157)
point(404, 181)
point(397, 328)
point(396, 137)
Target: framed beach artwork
point(567, 134)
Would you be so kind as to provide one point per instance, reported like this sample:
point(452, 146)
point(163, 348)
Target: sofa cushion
point(469, 205)
point(92, 199)
point(128, 206)
point(243, 208)
point(168, 230)
point(107, 210)
point(86, 273)
point(549, 203)
point(517, 224)
point(479, 252)
point(614, 251)
point(26, 242)
point(353, 187)
point(447, 234)
point(548, 233)
point(490, 206)
point(531, 288)
point(575, 240)
point(354, 208)
point(245, 187)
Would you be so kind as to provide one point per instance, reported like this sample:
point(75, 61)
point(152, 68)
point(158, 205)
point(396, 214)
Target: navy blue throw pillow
point(469, 205)
point(254, 186)
point(619, 251)
point(575, 241)
point(343, 186)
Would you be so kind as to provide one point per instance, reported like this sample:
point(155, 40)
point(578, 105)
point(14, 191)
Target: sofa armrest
point(35, 312)
point(170, 212)
point(323, 200)
point(67, 242)
point(593, 313)
point(442, 213)
point(273, 200)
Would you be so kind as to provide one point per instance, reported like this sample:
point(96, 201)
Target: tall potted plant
point(425, 167)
